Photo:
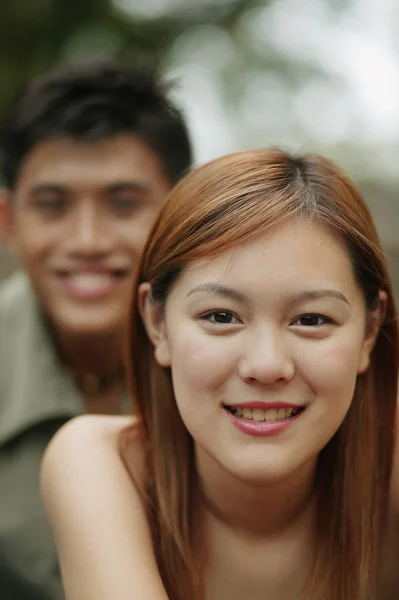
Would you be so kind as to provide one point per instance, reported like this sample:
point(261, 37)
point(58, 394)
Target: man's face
point(78, 218)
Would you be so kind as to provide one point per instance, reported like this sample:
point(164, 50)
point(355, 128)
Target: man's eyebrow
point(322, 293)
point(220, 290)
point(132, 186)
point(119, 186)
point(48, 187)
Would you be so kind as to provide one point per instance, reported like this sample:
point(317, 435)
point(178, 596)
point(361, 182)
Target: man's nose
point(267, 357)
point(89, 232)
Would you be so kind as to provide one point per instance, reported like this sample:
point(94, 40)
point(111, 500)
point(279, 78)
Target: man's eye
point(124, 203)
point(312, 320)
point(221, 317)
point(50, 205)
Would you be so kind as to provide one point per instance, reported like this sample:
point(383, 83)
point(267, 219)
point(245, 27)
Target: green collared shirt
point(36, 397)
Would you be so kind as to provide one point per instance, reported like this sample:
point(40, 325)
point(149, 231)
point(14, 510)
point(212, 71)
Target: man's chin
point(88, 326)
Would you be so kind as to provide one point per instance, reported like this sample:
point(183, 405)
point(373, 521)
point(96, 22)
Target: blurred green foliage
point(236, 46)
point(37, 34)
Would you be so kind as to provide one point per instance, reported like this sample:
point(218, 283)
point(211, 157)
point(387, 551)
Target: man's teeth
point(90, 282)
point(258, 414)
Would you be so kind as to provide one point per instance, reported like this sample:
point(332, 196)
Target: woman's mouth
point(257, 421)
point(270, 414)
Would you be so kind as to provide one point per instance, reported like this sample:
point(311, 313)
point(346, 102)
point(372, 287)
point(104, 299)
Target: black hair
point(89, 101)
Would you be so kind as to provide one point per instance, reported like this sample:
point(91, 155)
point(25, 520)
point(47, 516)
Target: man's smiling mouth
point(91, 282)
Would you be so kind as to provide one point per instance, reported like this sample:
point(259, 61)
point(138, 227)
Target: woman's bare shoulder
point(103, 429)
point(89, 483)
point(85, 442)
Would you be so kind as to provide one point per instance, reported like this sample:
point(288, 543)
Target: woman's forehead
point(288, 253)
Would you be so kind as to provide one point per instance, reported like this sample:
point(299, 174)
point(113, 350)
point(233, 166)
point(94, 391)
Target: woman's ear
point(152, 314)
point(374, 321)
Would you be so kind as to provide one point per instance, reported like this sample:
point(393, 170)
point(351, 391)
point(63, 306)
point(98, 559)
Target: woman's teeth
point(258, 414)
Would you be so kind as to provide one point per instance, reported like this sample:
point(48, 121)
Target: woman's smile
point(273, 333)
point(263, 421)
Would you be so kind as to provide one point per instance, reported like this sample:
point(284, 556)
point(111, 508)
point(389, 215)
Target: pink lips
point(265, 405)
point(263, 428)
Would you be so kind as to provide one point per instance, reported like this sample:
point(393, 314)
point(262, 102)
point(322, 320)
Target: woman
point(263, 363)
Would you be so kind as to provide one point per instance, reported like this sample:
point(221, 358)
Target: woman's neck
point(257, 509)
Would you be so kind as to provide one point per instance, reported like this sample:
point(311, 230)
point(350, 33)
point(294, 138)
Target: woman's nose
point(267, 357)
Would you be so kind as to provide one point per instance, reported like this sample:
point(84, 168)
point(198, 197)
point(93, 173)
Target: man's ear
point(6, 219)
point(153, 317)
point(374, 321)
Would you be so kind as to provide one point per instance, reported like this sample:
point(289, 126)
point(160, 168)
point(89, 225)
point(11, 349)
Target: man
point(88, 154)
point(15, 585)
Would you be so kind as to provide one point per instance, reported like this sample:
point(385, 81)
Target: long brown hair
point(215, 208)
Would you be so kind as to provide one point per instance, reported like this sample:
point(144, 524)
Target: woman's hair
point(215, 208)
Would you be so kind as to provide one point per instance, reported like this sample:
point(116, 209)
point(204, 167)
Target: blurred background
point(308, 75)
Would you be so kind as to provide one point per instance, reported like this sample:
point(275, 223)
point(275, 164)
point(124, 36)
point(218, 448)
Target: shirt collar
point(34, 387)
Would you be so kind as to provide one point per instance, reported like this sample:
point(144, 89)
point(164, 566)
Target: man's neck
point(109, 402)
point(90, 354)
point(96, 365)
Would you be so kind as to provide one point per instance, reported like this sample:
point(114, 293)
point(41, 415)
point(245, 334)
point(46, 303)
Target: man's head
point(88, 154)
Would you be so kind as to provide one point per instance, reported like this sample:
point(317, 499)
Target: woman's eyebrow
point(322, 293)
point(227, 292)
point(220, 290)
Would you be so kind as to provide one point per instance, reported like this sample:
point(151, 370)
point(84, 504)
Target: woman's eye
point(221, 317)
point(312, 320)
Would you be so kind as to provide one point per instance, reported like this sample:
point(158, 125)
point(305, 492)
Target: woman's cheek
point(202, 360)
point(331, 366)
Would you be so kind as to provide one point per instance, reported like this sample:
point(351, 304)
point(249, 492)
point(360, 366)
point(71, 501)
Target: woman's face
point(265, 343)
